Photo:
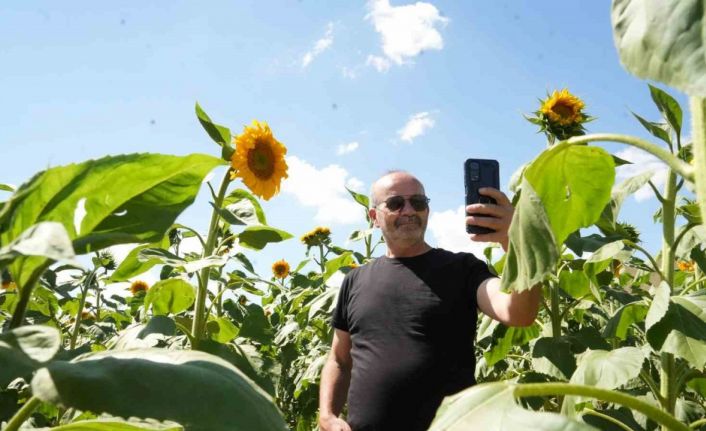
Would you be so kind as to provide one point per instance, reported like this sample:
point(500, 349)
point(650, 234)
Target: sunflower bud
point(560, 116)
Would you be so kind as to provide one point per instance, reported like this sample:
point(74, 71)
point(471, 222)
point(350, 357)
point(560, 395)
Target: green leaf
point(324, 303)
point(158, 325)
point(131, 198)
point(492, 407)
point(257, 237)
point(337, 263)
point(169, 258)
point(656, 129)
point(505, 338)
point(116, 424)
point(578, 188)
point(662, 40)
point(575, 283)
point(173, 295)
point(668, 107)
point(22, 350)
point(243, 208)
point(671, 327)
point(219, 134)
point(222, 330)
point(46, 239)
point(198, 390)
point(256, 326)
point(363, 200)
point(610, 213)
point(6, 188)
point(533, 252)
point(604, 369)
point(132, 266)
point(625, 317)
point(553, 356)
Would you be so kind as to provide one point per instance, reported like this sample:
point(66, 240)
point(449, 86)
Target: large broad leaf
point(554, 357)
point(533, 251)
point(610, 213)
point(46, 239)
point(131, 198)
point(196, 389)
point(492, 407)
point(117, 425)
point(575, 283)
point(173, 295)
point(604, 369)
point(257, 237)
point(574, 184)
point(671, 327)
point(169, 258)
point(505, 338)
point(663, 40)
point(256, 326)
point(337, 263)
point(24, 349)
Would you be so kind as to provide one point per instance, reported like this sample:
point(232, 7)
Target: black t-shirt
point(412, 323)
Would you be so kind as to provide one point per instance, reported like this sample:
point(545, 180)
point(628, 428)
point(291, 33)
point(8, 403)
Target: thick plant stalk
point(667, 383)
point(668, 221)
point(199, 325)
point(542, 389)
point(556, 314)
point(698, 134)
point(23, 414)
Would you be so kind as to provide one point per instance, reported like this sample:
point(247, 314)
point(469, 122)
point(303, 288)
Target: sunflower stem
point(23, 414)
point(676, 164)
point(698, 134)
point(199, 324)
point(81, 304)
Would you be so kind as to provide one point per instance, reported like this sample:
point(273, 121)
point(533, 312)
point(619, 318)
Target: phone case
point(480, 173)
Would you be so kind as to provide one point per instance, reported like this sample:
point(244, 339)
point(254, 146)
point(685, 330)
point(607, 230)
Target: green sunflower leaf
point(257, 237)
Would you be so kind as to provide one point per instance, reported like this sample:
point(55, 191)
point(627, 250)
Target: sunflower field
point(620, 342)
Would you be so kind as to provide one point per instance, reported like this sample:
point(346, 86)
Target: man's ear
point(372, 213)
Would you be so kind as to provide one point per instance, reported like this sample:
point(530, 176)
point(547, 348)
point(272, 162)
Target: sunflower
point(560, 116)
point(259, 160)
point(280, 269)
point(139, 286)
point(685, 266)
point(320, 235)
point(563, 108)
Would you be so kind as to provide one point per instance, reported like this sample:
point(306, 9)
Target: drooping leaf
point(604, 369)
point(610, 213)
point(533, 251)
point(505, 338)
point(575, 283)
point(554, 357)
point(492, 407)
point(656, 129)
point(170, 296)
point(169, 258)
point(578, 188)
point(222, 330)
point(257, 237)
point(242, 208)
point(131, 198)
point(196, 389)
point(46, 239)
point(324, 303)
point(668, 107)
point(24, 349)
point(662, 40)
point(256, 326)
point(337, 263)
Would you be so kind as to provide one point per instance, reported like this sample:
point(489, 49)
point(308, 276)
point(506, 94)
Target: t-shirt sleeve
point(478, 273)
point(340, 313)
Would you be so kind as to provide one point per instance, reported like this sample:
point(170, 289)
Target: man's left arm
point(511, 309)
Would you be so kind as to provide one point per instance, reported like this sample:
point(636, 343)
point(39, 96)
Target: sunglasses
point(396, 203)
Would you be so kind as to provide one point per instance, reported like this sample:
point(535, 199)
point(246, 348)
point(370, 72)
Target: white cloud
point(350, 73)
point(347, 148)
point(416, 126)
point(641, 162)
point(381, 64)
point(405, 30)
point(324, 189)
point(320, 46)
point(449, 232)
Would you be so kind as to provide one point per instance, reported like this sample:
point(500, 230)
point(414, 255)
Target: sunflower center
point(563, 110)
point(261, 160)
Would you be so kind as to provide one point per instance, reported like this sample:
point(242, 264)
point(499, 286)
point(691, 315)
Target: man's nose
point(407, 208)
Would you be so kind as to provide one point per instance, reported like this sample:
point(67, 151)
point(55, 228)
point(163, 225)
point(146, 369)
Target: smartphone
point(479, 173)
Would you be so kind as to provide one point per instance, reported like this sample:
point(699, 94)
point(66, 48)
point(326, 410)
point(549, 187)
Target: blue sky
point(351, 88)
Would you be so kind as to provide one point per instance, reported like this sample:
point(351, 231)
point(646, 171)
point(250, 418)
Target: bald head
point(390, 181)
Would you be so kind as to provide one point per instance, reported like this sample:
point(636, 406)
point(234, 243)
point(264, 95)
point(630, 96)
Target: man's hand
point(333, 423)
point(494, 216)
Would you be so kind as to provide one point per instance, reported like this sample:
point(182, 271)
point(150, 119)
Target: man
point(405, 322)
